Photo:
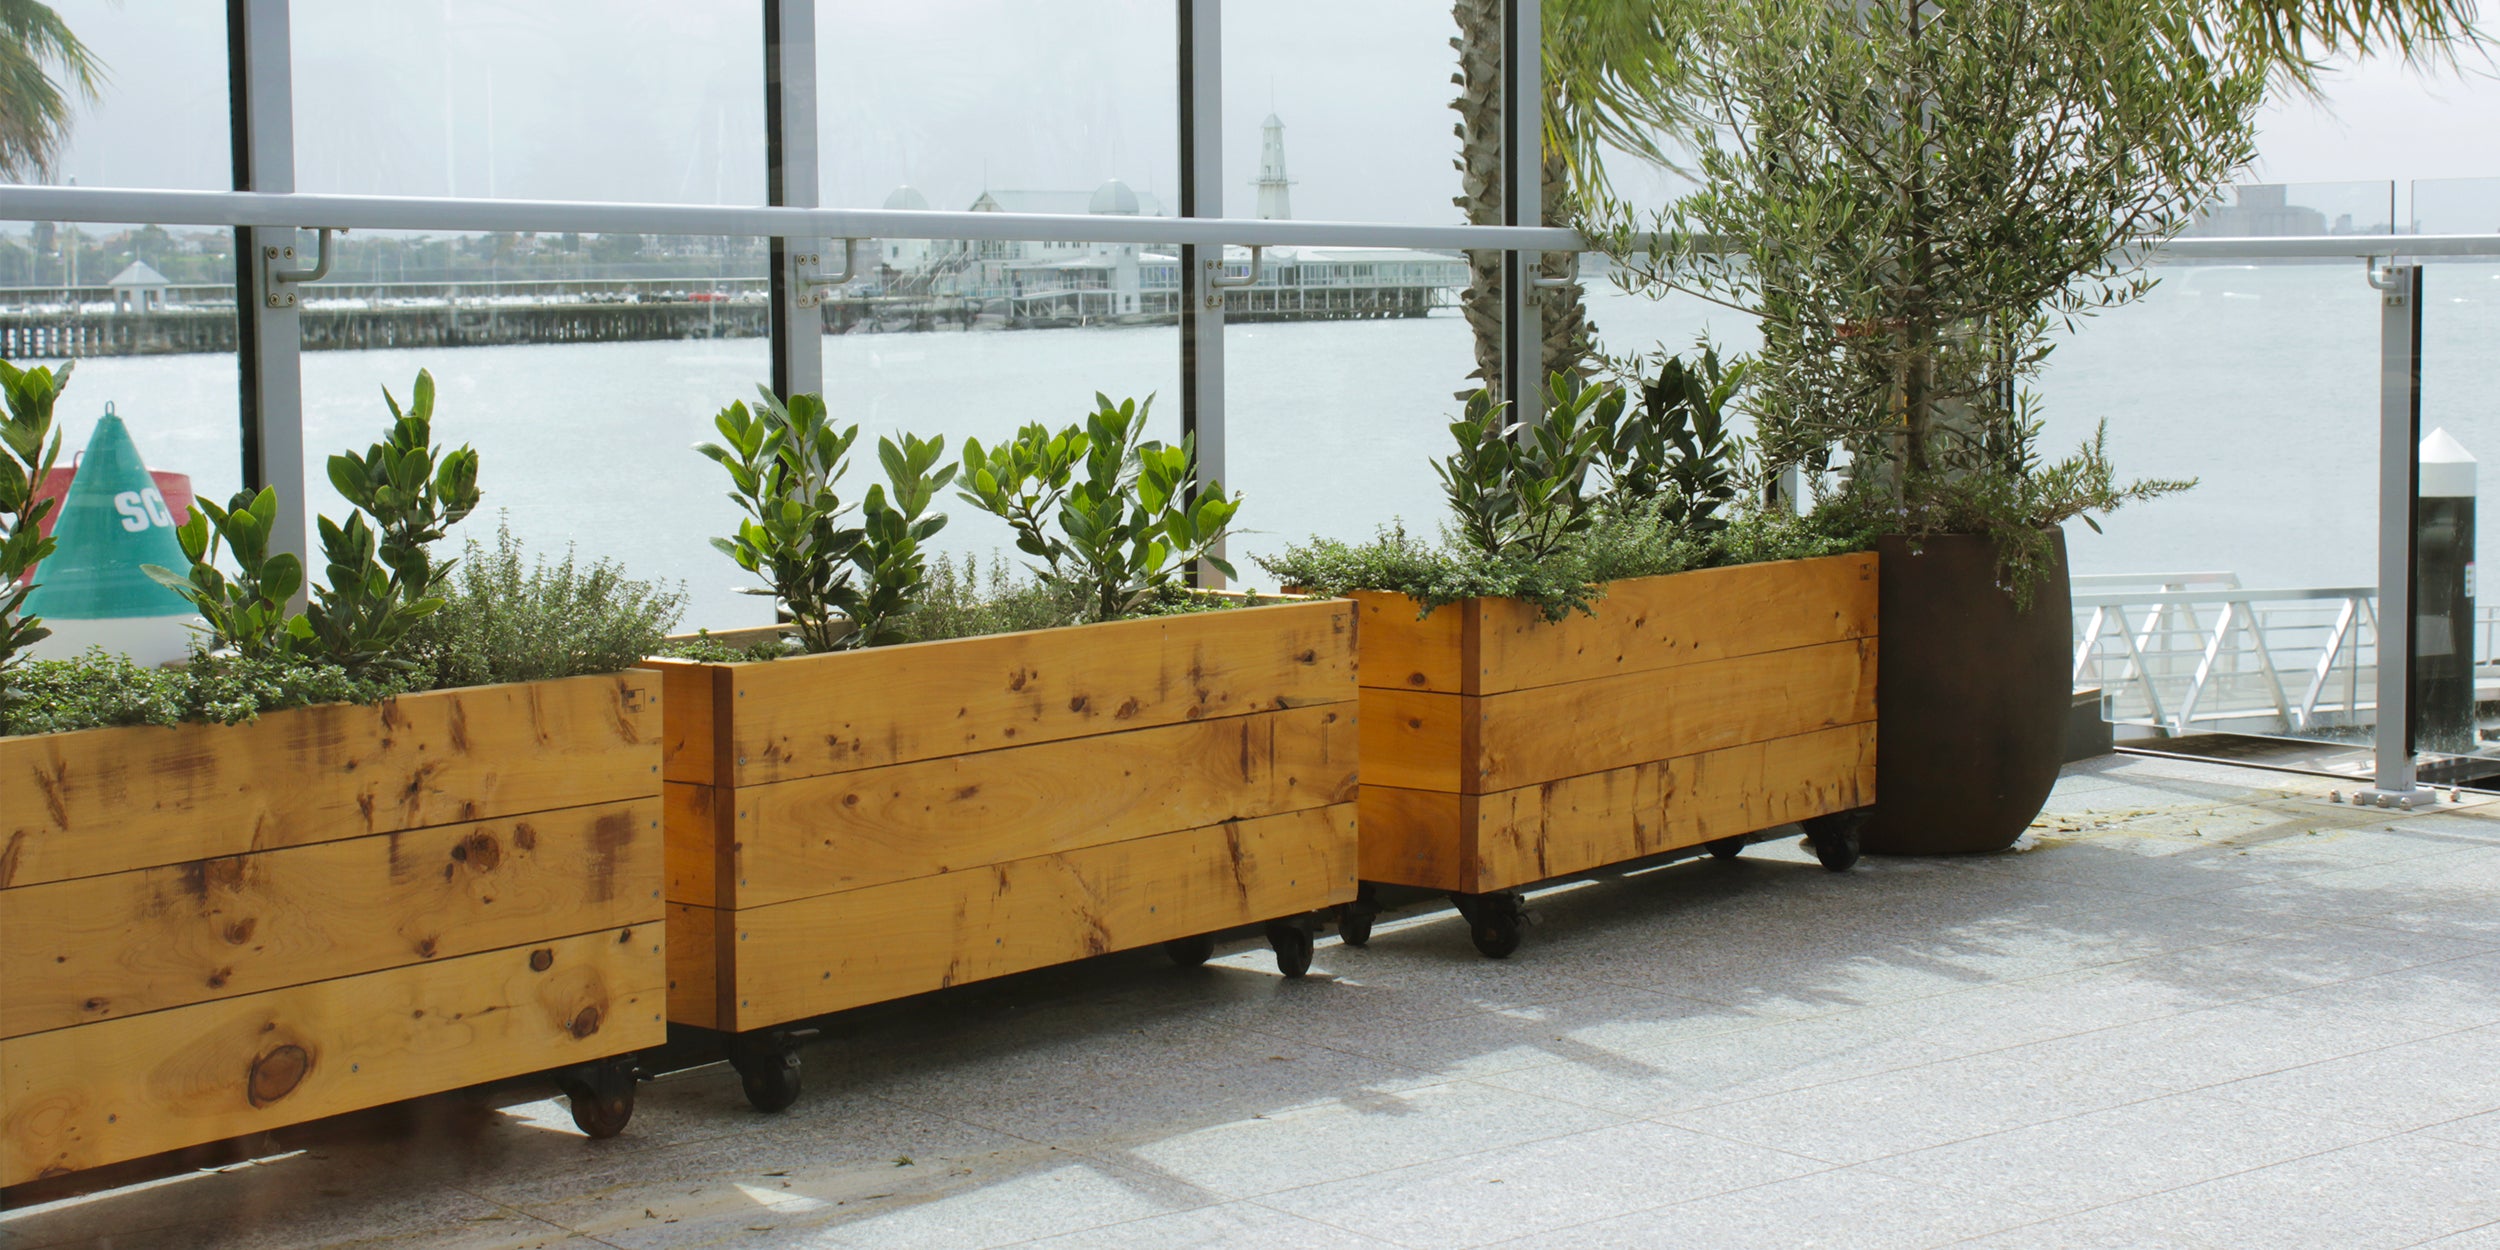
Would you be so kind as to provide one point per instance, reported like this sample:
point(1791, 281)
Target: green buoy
point(91, 591)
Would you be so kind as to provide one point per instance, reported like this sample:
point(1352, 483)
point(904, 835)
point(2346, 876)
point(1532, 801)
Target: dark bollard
point(2443, 572)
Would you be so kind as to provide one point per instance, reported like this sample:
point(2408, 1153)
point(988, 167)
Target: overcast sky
point(662, 100)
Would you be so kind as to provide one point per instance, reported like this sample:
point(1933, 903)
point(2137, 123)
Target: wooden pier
point(53, 333)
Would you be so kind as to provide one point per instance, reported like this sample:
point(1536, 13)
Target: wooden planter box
point(208, 931)
point(852, 828)
point(1501, 749)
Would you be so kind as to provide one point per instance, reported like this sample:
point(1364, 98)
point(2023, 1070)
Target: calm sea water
point(2260, 381)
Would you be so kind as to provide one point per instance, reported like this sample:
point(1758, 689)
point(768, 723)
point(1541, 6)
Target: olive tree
point(1911, 193)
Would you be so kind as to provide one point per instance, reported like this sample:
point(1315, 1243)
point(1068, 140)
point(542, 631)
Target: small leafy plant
point(1599, 491)
point(378, 567)
point(783, 461)
point(248, 611)
point(31, 446)
point(842, 584)
point(1102, 507)
point(1518, 490)
point(1672, 454)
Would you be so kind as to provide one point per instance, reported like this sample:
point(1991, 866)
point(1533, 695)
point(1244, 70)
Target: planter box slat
point(1500, 749)
point(1415, 837)
point(74, 952)
point(889, 941)
point(689, 691)
point(1479, 744)
point(1417, 739)
point(121, 1089)
point(693, 845)
point(908, 818)
point(694, 964)
point(1579, 823)
point(1649, 623)
point(1543, 734)
point(100, 801)
point(817, 835)
point(894, 705)
point(1402, 652)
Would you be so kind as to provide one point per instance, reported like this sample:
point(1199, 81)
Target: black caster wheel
point(768, 1069)
point(1354, 920)
point(1493, 921)
point(1727, 848)
point(1835, 838)
point(602, 1095)
point(1292, 942)
point(1190, 952)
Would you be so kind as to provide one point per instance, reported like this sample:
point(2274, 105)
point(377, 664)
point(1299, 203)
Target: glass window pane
point(1361, 96)
point(583, 369)
point(161, 117)
point(1035, 106)
point(630, 100)
point(148, 329)
point(2271, 210)
point(975, 340)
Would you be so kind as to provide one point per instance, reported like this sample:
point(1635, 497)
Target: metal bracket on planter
point(1218, 283)
point(1570, 277)
point(279, 277)
point(808, 279)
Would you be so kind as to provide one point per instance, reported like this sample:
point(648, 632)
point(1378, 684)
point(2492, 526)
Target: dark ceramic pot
point(1972, 698)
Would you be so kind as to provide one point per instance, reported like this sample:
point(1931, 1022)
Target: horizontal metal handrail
point(375, 212)
point(2334, 247)
point(2114, 598)
point(118, 205)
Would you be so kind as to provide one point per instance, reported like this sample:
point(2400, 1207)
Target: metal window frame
point(1200, 26)
point(268, 323)
point(791, 156)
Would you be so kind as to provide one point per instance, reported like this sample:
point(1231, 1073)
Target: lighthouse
point(1275, 189)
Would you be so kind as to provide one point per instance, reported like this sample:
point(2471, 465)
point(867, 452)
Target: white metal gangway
point(2188, 653)
point(2197, 652)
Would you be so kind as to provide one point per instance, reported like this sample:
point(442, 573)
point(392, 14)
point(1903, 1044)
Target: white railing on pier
point(2185, 653)
point(2197, 652)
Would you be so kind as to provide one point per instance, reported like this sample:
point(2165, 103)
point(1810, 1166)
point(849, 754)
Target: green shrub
point(966, 600)
point(98, 690)
point(508, 617)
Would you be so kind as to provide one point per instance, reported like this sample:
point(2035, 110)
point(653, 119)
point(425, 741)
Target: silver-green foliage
point(508, 616)
point(1910, 194)
point(1105, 509)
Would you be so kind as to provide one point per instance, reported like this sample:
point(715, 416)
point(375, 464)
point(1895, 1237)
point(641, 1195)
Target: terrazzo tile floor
point(2207, 1009)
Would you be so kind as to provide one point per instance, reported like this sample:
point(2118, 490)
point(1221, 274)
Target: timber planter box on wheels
point(856, 827)
point(1501, 749)
point(208, 931)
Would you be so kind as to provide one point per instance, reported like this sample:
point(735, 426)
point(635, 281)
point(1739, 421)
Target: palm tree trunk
point(1570, 337)
point(1479, 130)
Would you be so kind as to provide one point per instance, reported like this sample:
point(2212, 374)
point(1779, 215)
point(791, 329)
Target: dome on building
point(1114, 197)
point(907, 198)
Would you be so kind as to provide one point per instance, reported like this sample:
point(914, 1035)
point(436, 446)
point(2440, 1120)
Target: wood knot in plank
point(585, 1022)
point(542, 959)
point(276, 1073)
point(479, 851)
